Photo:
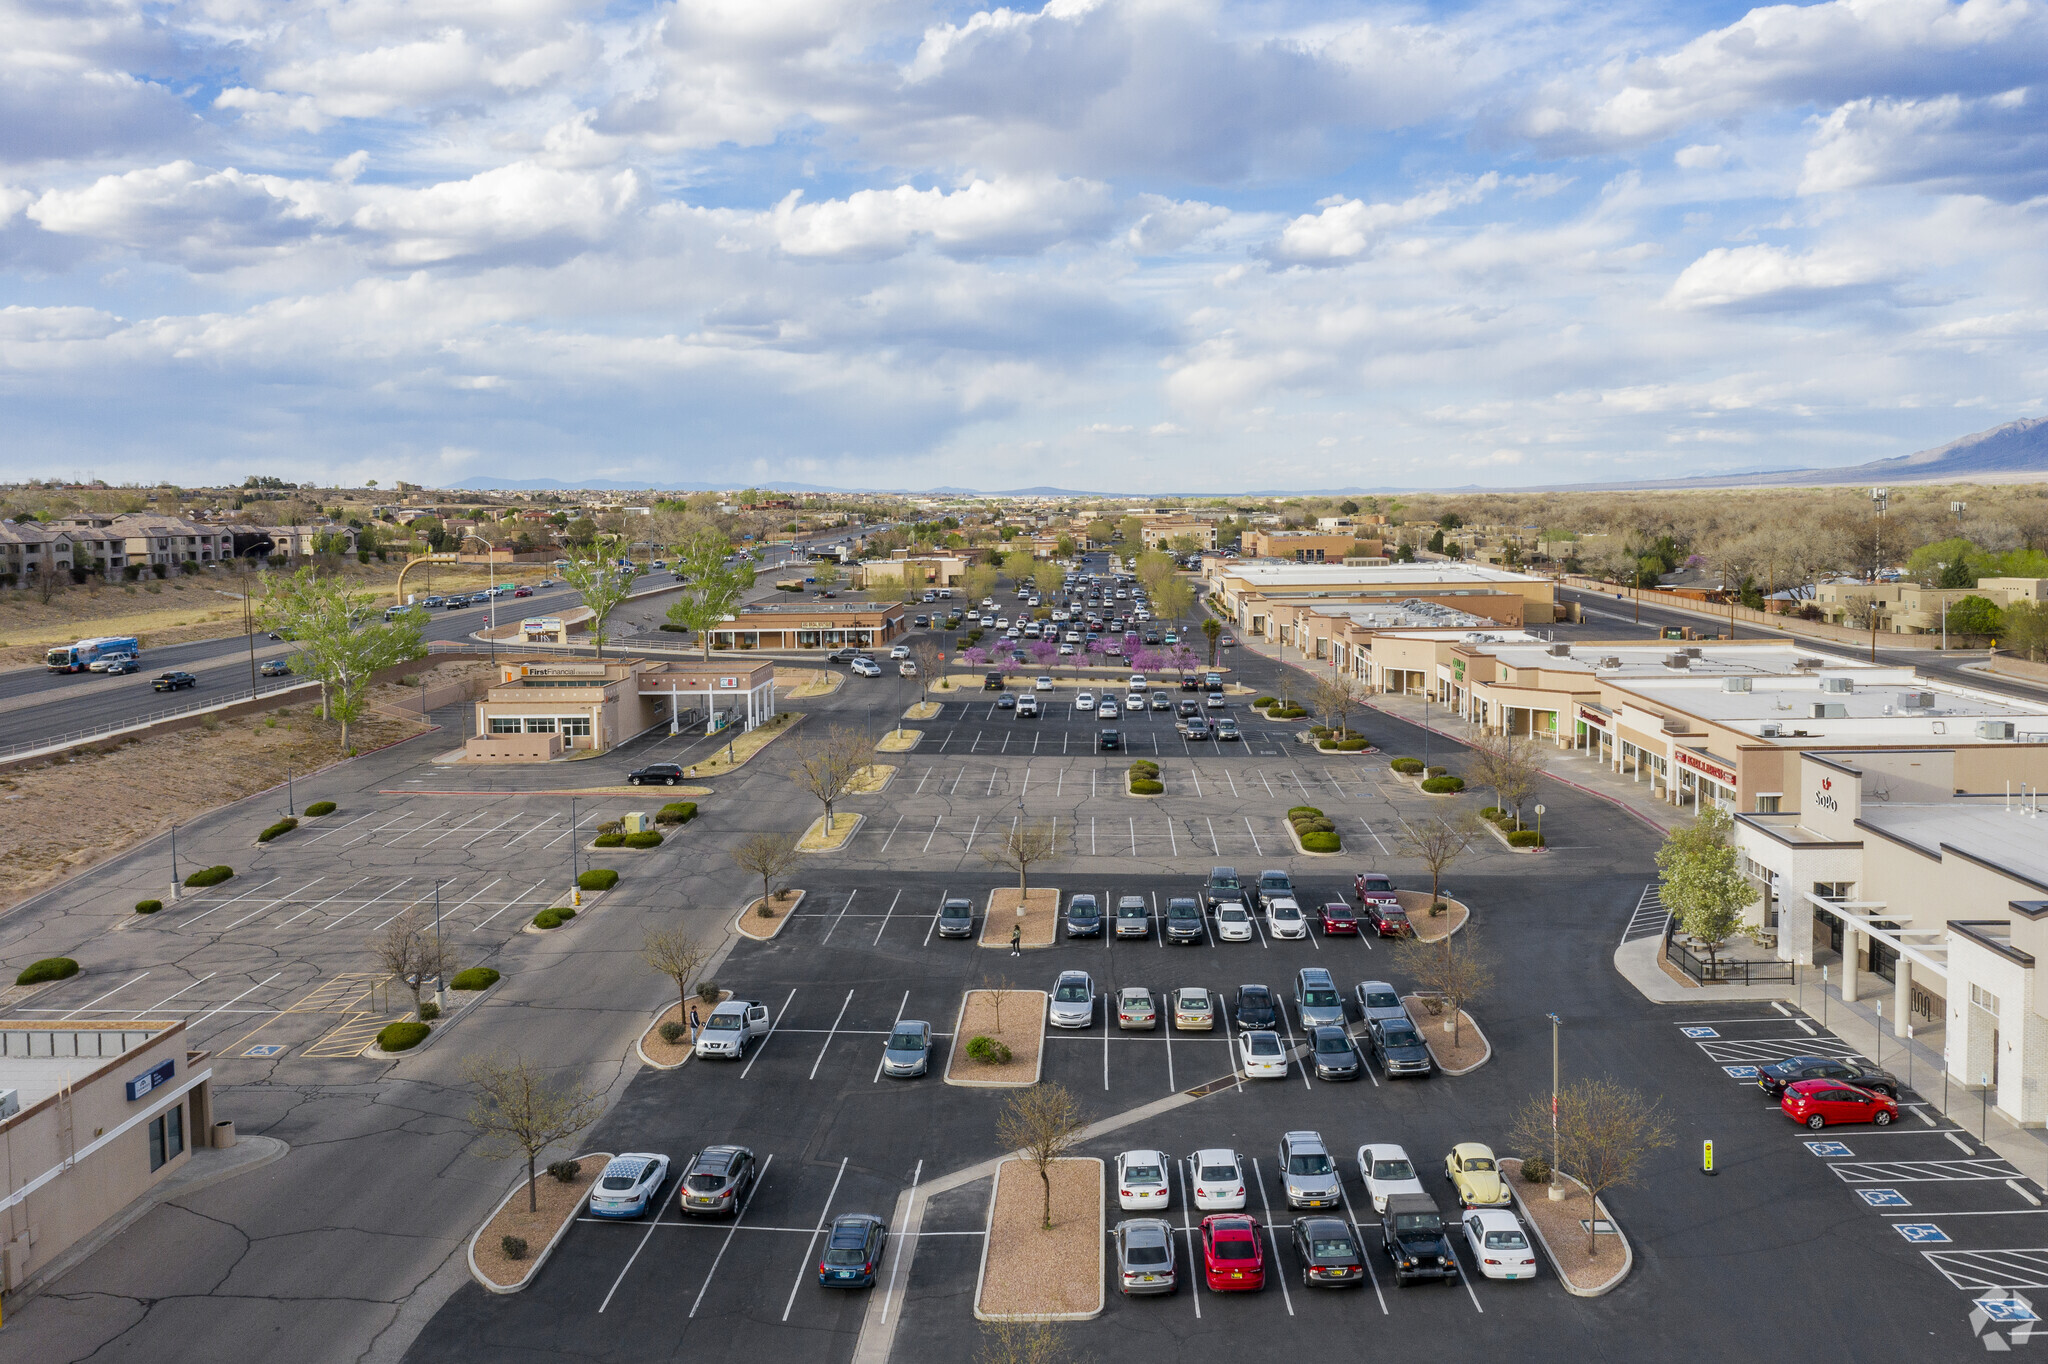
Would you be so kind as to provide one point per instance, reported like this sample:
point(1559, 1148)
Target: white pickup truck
point(732, 1028)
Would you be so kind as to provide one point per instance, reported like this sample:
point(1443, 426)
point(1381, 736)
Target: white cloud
point(1348, 228)
point(1167, 225)
point(1707, 156)
point(208, 219)
point(982, 217)
point(1996, 146)
point(1771, 276)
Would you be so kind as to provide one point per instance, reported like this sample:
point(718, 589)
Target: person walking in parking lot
point(1017, 941)
point(695, 1026)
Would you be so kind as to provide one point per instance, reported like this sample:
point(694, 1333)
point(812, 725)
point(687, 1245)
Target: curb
point(981, 1275)
point(845, 840)
point(988, 914)
point(960, 1017)
point(1300, 851)
point(1474, 1024)
point(1628, 1254)
point(903, 741)
point(888, 777)
point(660, 1014)
point(741, 919)
point(491, 1285)
point(1503, 840)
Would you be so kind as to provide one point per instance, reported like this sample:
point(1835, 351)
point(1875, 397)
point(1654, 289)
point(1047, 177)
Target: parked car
point(1006, 702)
point(853, 1252)
point(1388, 919)
point(1475, 1176)
point(1330, 1255)
point(1826, 1103)
point(1379, 1000)
point(173, 682)
point(1027, 706)
point(1161, 701)
point(1284, 918)
point(866, 667)
point(1133, 917)
point(1042, 684)
point(1336, 916)
point(1308, 1173)
point(1260, 1054)
point(1316, 1000)
point(1398, 1048)
point(1144, 1256)
point(629, 1185)
point(1194, 1009)
point(1412, 1233)
point(1142, 1181)
point(1498, 1244)
point(1073, 1000)
point(1084, 917)
point(956, 918)
point(899, 651)
point(1233, 1256)
point(732, 1028)
point(716, 1181)
point(1219, 1179)
point(1271, 884)
point(1109, 741)
point(992, 682)
point(1773, 1079)
point(1334, 1054)
point(1183, 920)
point(1193, 728)
point(1135, 1011)
point(845, 655)
point(1255, 1008)
point(1223, 886)
point(908, 1051)
point(1233, 923)
point(655, 774)
point(1226, 729)
point(1387, 1171)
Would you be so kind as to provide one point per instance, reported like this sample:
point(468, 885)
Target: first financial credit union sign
point(158, 1074)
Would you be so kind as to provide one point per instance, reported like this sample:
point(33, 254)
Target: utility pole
point(249, 632)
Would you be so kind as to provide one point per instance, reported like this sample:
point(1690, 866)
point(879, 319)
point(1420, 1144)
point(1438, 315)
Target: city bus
point(77, 658)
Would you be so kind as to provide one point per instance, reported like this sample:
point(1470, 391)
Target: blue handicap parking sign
point(1884, 1198)
point(262, 1049)
point(2008, 1309)
point(1741, 1072)
point(1828, 1148)
point(1920, 1233)
point(1701, 1032)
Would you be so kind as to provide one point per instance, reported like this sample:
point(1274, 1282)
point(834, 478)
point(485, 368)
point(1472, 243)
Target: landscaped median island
point(801, 684)
point(1456, 1044)
point(1040, 919)
point(1432, 927)
point(531, 1232)
point(899, 741)
point(1560, 1228)
point(870, 779)
point(1143, 779)
point(924, 710)
point(824, 838)
point(1315, 834)
point(1509, 831)
point(998, 1039)
point(666, 1044)
point(738, 748)
point(1029, 1272)
point(760, 925)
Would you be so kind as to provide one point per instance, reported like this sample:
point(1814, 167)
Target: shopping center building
point(541, 709)
point(809, 625)
point(1263, 599)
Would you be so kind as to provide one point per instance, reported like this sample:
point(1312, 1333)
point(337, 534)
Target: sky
point(1154, 246)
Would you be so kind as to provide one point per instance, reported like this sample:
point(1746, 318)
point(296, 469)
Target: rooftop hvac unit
point(1994, 729)
point(1692, 651)
point(1837, 684)
point(1771, 730)
point(1916, 700)
point(1611, 661)
point(10, 1103)
point(1560, 651)
point(1808, 663)
point(1828, 710)
point(1734, 684)
point(1677, 661)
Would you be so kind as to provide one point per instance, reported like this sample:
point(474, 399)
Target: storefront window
point(540, 724)
point(504, 724)
point(576, 726)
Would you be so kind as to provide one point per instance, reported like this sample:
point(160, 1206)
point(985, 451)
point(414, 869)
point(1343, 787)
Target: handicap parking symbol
point(1741, 1072)
point(2007, 1309)
point(1921, 1233)
point(1700, 1032)
point(1884, 1198)
point(1829, 1148)
point(262, 1049)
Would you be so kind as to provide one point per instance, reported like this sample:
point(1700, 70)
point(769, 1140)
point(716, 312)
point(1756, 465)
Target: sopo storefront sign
point(1823, 799)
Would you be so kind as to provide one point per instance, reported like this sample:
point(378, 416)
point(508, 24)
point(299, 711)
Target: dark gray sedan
point(716, 1181)
point(1144, 1256)
point(1335, 1055)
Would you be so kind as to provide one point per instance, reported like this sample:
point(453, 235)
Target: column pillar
point(1902, 996)
point(1852, 962)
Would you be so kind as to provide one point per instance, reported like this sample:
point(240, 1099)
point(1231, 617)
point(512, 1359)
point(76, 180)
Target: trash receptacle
point(223, 1134)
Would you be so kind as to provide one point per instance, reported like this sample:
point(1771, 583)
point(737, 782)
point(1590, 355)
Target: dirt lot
point(190, 772)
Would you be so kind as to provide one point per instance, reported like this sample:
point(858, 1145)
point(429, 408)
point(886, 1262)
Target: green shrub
point(1322, 826)
point(673, 1032)
point(566, 1170)
point(1261, 702)
point(597, 878)
point(402, 1036)
point(645, 839)
point(1351, 745)
point(1536, 1170)
point(1320, 731)
point(1311, 811)
point(319, 808)
point(1493, 812)
point(1438, 771)
point(1145, 786)
point(1145, 767)
point(283, 826)
point(988, 1051)
point(1439, 786)
point(676, 812)
point(513, 1246)
point(1407, 767)
point(209, 876)
point(609, 841)
point(429, 1011)
point(707, 992)
point(1321, 841)
point(1287, 713)
point(49, 968)
point(1525, 838)
point(548, 918)
point(148, 906)
point(475, 978)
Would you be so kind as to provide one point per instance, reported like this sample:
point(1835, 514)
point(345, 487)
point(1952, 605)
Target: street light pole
point(1556, 1186)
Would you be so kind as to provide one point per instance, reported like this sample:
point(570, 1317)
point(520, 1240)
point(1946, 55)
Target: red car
point(1823, 1103)
point(1233, 1257)
point(1337, 917)
point(1387, 918)
point(522, 591)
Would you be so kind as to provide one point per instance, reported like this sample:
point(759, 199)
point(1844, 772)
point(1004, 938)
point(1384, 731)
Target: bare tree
point(930, 656)
point(997, 987)
point(1043, 1123)
point(1336, 696)
point(678, 954)
point(409, 950)
point(1437, 844)
point(1035, 1340)
point(1455, 968)
point(1605, 1133)
point(1026, 843)
point(770, 856)
point(1510, 765)
point(828, 763)
point(518, 1111)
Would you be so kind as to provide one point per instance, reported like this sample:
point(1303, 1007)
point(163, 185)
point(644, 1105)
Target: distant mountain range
point(2014, 453)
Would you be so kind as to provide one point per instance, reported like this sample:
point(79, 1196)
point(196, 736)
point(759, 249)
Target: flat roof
point(806, 608)
point(1410, 614)
point(1872, 709)
point(1981, 827)
point(1374, 575)
point(1648, 660)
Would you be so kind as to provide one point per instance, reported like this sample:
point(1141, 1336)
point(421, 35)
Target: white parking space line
point(545, 823)
point(372, 833)
point(1233, 784)
point(1259, 1178)
point(934, 833)
point(824, 1219)
point(145, 1013)
point(830, 1034)
point(450, 912)
point(1255, 835)
point(842, 914)
point(339, 827)
point(194, 1024)
point(892, 1028)
point(444, 833)
point(284, 899)
point(896, 1262)
point(1805, 1027)
point(363, 906)
point(1359, 1231)
point(1960, 1144)
point(1268, 785)
point(1229, 1039)
point(660, 1209)
point(566, 833)
point(493, 829)
point(508, 905)
point(932, 927)
point(759, 1180)
point(922, 780)
point(1195, 773)
point(253, 890)
point(954, 790)
point(1106, 1011)
point(779, 1014)
point(1134, 835)
point(886, 915)
point(317, 903)
point(108, 995)
point(1465, 1277)
point(1214, 845)
point(1375, 837)
point(892, 833)
point(1187, 1224)
point(972, 832)
point(1172, 838)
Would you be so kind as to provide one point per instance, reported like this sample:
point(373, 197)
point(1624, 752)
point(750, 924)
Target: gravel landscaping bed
point(1041, 919)
point(870, 779)
point(1557, 1229)
point(558, 1203)
point(924, 710)
point(762, 927)
point(1472, 1049)
point(1427, 928)
point(899, 740)
point(665, 1055)
point(1023, 1032)
point(1027, 1271)
point(818, 839)
point(801, 684)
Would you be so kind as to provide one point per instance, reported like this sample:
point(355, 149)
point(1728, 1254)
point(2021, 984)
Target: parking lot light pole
point(1556, 1187)
point(174, 863)
point(290, 807)
point(574, 897)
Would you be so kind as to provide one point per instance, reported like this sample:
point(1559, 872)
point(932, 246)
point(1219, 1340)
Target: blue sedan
point(629, 1185)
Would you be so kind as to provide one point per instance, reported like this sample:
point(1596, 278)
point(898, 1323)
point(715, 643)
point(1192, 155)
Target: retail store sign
point(158, 1074)
point(1688, 758)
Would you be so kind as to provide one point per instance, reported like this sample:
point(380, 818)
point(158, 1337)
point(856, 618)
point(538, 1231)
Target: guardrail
point(73, 738)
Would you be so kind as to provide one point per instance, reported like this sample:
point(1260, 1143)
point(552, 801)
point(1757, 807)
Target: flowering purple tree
point(977, 656)
point(1009, 665)
point(1044, 650)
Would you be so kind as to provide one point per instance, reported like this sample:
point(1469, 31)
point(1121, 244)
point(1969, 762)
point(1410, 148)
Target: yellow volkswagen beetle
point(1475, 1175)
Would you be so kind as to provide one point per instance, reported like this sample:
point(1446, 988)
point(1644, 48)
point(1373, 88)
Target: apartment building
point(1309, 546)
point(1905, 608)
point(1158, 531)
point(29, 548)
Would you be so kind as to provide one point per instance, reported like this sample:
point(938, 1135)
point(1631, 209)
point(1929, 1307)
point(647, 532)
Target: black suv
point(1184, 920)
point(1412, 1232)
point(1772, 1079)
point(1255, 1008)
point(992, 682)
point(956, 919)
point(1223, 888)
point(1272, 886)
point(173, 682)
point(1398, 1047)
point(662, 774)
point(1330, 1255)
